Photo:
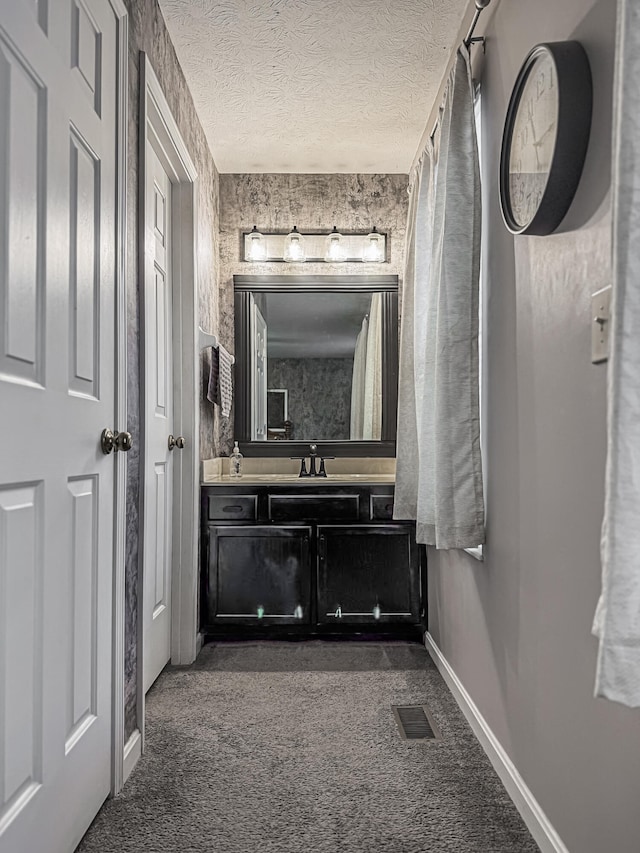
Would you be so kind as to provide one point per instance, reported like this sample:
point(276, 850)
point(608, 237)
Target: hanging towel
point(225, 381)
point(213, 393)
point(220, 388)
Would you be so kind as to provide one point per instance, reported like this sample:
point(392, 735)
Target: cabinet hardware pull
point(338, 613)
point(260, 611)
point(376, 611)
point(232, 508)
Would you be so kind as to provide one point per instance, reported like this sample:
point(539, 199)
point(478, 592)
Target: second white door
point(158, 498)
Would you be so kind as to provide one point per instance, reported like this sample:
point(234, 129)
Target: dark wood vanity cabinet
point(308, 559)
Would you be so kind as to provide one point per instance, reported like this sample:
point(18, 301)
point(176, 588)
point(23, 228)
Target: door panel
point(160, 567)
point(83, 568)
point(158, 420)
point(20, 621)
point(22, 222)
point(86, 56)
point(84, 272)
point(57, 394)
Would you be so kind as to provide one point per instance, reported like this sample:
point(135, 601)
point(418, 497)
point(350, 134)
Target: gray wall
point(319, 395)
point(148, 32)
point(516, 628)
point(276, 202)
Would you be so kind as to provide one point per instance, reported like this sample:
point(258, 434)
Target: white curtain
point(617, 620)
point(439, 470)
point(372, 416)
point(357, 382)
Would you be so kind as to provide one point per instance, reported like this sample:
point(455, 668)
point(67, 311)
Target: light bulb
point(294, 247)
point(335, 252)
point(257, 246)
point(373, 248)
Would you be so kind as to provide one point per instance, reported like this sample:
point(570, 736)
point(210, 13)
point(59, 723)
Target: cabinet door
point(258, 575)
point(368, 574)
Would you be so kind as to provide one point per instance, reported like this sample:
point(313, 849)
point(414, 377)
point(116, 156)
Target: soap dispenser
point(235, 463)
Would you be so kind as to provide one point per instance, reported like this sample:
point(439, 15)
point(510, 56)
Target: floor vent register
point(415, 722)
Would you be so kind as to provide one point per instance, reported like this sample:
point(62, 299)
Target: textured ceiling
point(313, 85)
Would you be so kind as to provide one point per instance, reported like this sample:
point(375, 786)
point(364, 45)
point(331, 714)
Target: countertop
point(260, 471)
point(295, 480)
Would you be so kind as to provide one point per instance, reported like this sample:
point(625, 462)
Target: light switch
point(600, 324)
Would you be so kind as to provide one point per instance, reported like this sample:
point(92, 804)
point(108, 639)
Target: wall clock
point(545, 137)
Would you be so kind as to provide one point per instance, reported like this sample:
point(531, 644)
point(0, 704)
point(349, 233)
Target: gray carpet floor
point(293, 748)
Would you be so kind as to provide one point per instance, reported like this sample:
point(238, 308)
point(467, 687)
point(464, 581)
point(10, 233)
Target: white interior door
point(57, 393)
point(158, 499)
point(259, 374)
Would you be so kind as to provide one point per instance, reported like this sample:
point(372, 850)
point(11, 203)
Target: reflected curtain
point(439, 469)
point(372, 414)
point(357, 382)
point(617, 623)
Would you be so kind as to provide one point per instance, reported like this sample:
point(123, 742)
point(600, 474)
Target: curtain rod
point(480, 5)
point(468, 41)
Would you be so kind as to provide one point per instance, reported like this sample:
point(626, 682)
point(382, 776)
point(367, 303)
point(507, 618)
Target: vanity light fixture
point(294, 247)
point(373, 251)
point(335, 251)
point(334, 247)
point(257, 246)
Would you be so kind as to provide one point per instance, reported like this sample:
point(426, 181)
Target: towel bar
point(207, 340)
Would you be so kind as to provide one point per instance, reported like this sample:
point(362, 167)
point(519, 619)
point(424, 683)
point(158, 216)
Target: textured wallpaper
point(276, 202)
point(319, 395)
point(148, 32)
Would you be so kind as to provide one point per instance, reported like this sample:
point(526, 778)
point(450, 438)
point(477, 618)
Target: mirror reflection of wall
point(311, 352)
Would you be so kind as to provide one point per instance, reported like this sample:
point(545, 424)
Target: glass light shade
point(257, 246)
point(335, 252)
point(373, 251)
point(294, 247)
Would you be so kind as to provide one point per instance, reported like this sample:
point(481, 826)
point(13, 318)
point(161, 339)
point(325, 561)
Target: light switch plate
point(600, 324)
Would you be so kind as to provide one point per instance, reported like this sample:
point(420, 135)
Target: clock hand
point(533, 131)
point(538, 142)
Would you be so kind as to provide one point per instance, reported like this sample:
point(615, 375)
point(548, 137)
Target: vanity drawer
point(316, 507)
point(232, 507)
point(381, 507)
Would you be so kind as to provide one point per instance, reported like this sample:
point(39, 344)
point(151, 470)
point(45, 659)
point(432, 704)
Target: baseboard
point(132, 752)
point(537, 822)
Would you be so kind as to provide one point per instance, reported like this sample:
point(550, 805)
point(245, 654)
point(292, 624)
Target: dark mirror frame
point(244, 285)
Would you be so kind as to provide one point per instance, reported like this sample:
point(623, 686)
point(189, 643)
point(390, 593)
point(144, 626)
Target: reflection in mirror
point(317, 361)
point(277, 413)
point(323, 353)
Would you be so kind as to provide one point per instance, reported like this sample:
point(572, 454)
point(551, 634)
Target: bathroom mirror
point(316, 362)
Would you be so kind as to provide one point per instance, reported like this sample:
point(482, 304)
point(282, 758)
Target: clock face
point(533, 140)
